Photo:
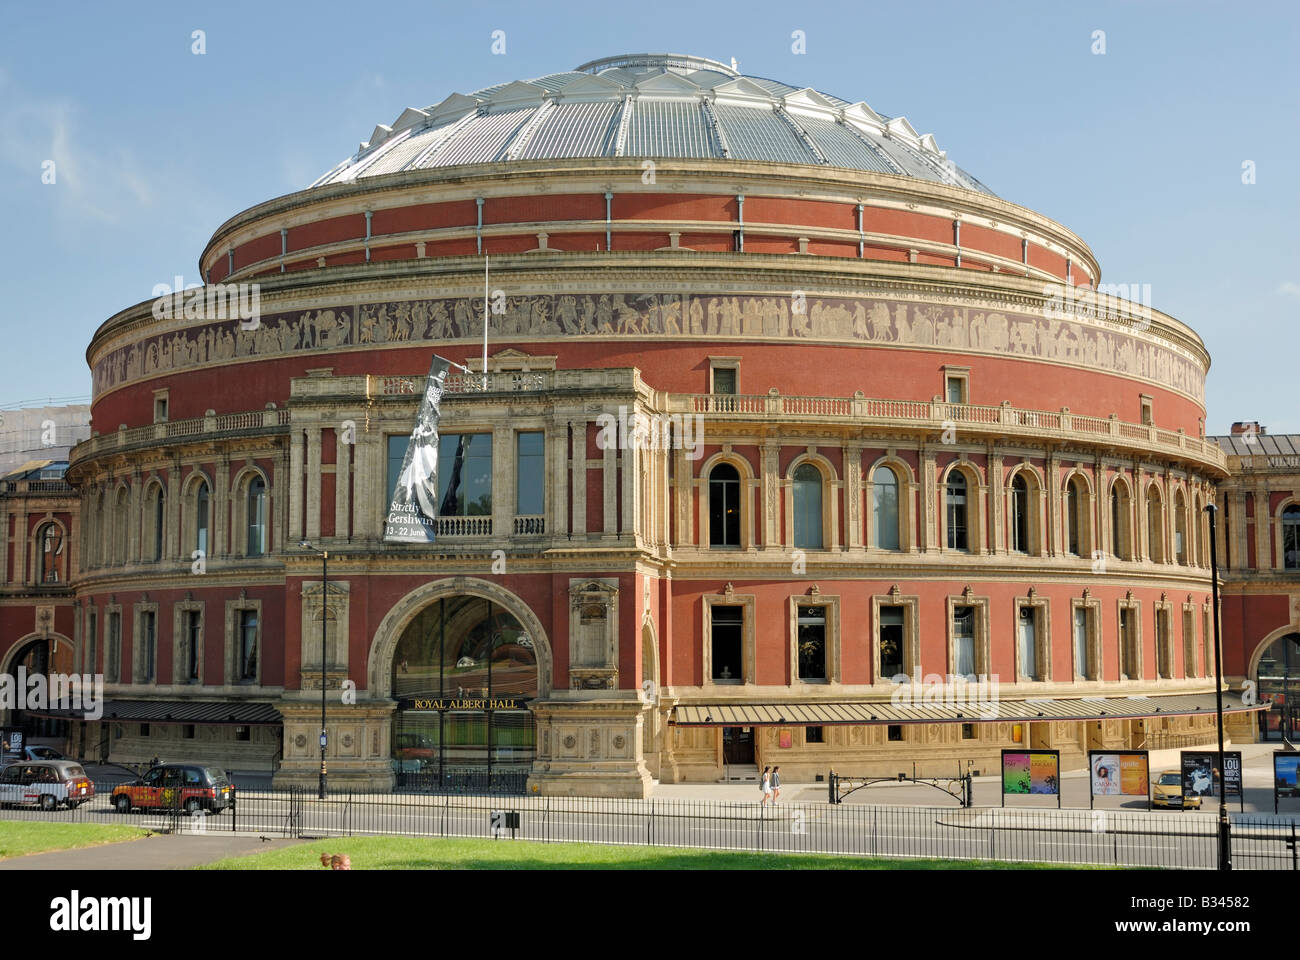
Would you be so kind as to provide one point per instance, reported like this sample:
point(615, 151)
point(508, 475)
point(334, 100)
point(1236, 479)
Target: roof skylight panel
point(484, 139)
point(668, 128)
point(759, 134)
point(575, 130)
point(840, 146)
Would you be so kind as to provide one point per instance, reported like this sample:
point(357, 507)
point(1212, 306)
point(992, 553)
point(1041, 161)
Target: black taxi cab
point(176, 786)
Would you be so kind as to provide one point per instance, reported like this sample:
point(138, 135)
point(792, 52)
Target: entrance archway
point(1277, 674)
point(39, 654)
point(463, 658)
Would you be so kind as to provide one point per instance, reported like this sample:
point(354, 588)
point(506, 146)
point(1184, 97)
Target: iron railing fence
point(1103, 838)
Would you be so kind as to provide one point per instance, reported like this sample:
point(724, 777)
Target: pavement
point(152, 852)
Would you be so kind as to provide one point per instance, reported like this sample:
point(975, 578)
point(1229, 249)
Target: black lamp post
point(324, 617)
point(1225, 836)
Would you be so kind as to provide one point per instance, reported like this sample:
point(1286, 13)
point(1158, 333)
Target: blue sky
point(1138, 150)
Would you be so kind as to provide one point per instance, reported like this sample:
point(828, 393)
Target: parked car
point(46, 783)
point(1168, 792)
point(176, 786)
point(39, 751)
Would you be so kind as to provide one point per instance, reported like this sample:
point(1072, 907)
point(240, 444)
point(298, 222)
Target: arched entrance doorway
point(43, 655)
point(463, 672)
point(1278, 674)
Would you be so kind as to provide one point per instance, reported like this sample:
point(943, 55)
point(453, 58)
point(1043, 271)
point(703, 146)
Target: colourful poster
point(1043, 773)
point(1107, 775)
point(1015, 773)
point(786, 740)
point(1286, 771)
point(1133, 775)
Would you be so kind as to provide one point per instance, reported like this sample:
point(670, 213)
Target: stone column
point(631, 472)
point(296, 468)
point(609, 485)
point(769, 459)
point(852, 454)
point(681, 498)
point(134, 507)
point(579, 428)
point(171, 548)
point(929, 496)
point(503, 482)
point(1054, 539)
point(219, 508)
point(557, 525)
point(278, 496)
point(1263, 528)
point(342, 487)
point(995, 532)
point(312, 507)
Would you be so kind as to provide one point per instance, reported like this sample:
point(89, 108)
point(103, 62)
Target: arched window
point(1155, 525)
point(49, 543)
point(120, 526)
point(1119, 521)
point(724, 506)
point(1072, 529)
point(1180, 528)
point(157, 522)
point(201, 515)
point(884, 516)
point(1019, 514)
point(256, 517)
point(956, 511)
point(808, 507)
point(1291, 537)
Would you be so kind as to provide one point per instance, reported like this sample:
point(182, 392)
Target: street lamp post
point(324, 618)
point(1225, 836)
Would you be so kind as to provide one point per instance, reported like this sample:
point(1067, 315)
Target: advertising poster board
point(1032, 772)
point(1286, 769)
point(414, 506)
point(1119, 773)
point(1200, 770)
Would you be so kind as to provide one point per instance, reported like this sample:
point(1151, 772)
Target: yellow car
point(1167, 791)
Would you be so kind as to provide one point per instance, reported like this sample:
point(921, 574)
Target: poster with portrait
point(1119, 773)
point(1286, 770)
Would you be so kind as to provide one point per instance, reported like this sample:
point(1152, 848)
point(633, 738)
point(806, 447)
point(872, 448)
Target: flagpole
point(485, 321)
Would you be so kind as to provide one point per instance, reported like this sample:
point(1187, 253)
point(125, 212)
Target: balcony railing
point(464, 526)
point(871, 411)
point(35, 486)
point(507, 381)
point(530, 526)
point(173, 429)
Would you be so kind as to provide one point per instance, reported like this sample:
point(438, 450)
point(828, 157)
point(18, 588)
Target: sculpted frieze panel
point(946, 326)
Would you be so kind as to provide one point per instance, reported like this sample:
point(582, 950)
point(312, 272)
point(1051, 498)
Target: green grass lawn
point(21, 837)
point(401, 853)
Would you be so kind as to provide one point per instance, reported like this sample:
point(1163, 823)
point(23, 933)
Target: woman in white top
point(766, 786)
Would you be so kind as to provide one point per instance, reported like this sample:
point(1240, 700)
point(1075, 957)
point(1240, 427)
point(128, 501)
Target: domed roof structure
point(657, 106)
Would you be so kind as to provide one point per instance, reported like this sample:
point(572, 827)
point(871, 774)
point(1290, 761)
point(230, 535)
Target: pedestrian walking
point(766, 786)
point(776, 784)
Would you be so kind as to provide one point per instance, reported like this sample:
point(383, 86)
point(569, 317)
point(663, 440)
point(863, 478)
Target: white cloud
point(1289, 289)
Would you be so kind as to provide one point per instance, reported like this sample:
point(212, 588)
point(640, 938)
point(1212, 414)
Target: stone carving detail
point(1043, 335)
point(595, 744)
point(620, 742)
point(300, 741)
point(570, 741)
point(593, 634)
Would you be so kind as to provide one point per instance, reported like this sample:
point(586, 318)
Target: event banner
point(1031, 772)
point(1232, 773)
point(414, 506)
point(1120, 774)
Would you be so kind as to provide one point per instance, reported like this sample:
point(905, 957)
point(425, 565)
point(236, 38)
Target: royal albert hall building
point(879, 445)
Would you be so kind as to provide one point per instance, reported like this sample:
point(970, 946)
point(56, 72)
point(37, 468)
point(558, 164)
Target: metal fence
point(1077, 837)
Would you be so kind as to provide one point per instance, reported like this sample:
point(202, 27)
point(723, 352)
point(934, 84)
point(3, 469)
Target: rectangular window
point(725, 380)
point(812, 643)
point(1127, 645)
point(187, 731)
point(149, 639)
point(1081, 642)
point(891, 642)
point(396, 453)
point(92, 643)
point(247, 645)
point(160, 409)
point(963, 636)
point(1027, 627)
point(968, 731)
point(894, 733)
point(144, 729)
point(530, 473)
point(814, 734)
point(728, 644)
point(956, 389)
point(1207, 642)
point(1164, 645)
point(465, 475)
point(243, 733)
point(193, 626)
point(1189, 643)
